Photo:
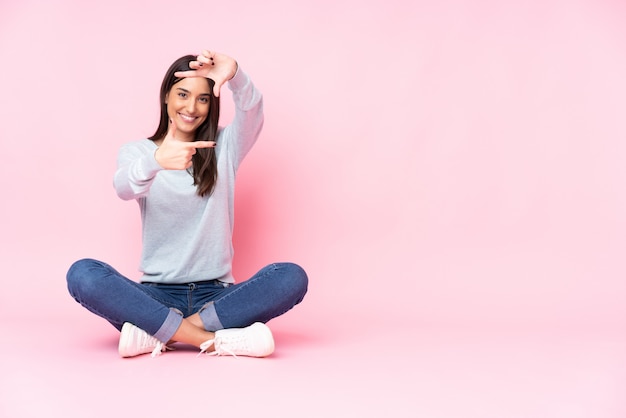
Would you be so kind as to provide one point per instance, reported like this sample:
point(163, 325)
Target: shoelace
point(160, 347)
point(219, 349)
point(205, 346)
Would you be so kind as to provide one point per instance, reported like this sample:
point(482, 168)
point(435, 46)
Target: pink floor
point(354, 369)
point(488, 338)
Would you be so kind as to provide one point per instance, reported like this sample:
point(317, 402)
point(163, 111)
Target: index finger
point(188, 73)
point(202, 144)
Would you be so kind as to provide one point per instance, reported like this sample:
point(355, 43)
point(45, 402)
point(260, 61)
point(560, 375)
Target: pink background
point(451, 175)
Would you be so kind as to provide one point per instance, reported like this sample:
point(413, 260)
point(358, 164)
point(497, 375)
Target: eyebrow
point(187, 91)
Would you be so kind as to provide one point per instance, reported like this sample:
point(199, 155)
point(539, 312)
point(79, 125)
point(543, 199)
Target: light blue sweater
point(188, 238)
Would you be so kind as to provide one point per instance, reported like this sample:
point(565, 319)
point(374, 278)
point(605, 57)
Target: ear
point(167, 97)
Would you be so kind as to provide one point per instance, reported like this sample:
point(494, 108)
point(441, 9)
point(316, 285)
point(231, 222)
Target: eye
point(182, 95)
point(203, 100)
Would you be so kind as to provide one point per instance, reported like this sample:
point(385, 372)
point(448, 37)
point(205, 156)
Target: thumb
point(171, 131)
point(216, 88)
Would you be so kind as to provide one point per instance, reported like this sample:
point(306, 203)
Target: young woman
point(183, 178)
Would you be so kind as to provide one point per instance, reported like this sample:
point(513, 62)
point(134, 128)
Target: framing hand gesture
point(218, 67)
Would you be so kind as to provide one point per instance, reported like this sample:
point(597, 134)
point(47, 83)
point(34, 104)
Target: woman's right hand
point(174, 154)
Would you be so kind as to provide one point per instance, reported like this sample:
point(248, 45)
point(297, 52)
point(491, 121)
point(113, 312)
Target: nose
point(191, 106)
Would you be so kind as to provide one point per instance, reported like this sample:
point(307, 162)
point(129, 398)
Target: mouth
point(187, 118)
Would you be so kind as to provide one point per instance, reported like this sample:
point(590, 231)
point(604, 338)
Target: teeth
point(187, 118)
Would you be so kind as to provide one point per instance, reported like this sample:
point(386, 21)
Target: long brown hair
point(204, 162)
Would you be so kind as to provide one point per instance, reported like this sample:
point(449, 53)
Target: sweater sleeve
point(248, 120)
point(136, 170)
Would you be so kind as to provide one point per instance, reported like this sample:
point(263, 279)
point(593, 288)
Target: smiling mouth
point(188, 119)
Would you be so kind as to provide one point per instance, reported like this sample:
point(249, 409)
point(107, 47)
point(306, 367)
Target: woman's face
point(188, 105)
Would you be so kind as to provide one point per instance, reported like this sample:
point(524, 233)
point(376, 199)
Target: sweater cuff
point(239, 80)
point(149, 167)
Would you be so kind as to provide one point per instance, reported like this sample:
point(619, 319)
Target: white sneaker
point(135, 341)
point(253, 341)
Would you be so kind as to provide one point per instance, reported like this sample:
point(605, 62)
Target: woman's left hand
point(218, 67)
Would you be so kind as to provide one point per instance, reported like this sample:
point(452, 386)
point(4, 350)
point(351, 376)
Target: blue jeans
point(159, 309)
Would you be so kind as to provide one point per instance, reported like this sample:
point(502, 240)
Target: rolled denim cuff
point(170, 326)
point(209, 317)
